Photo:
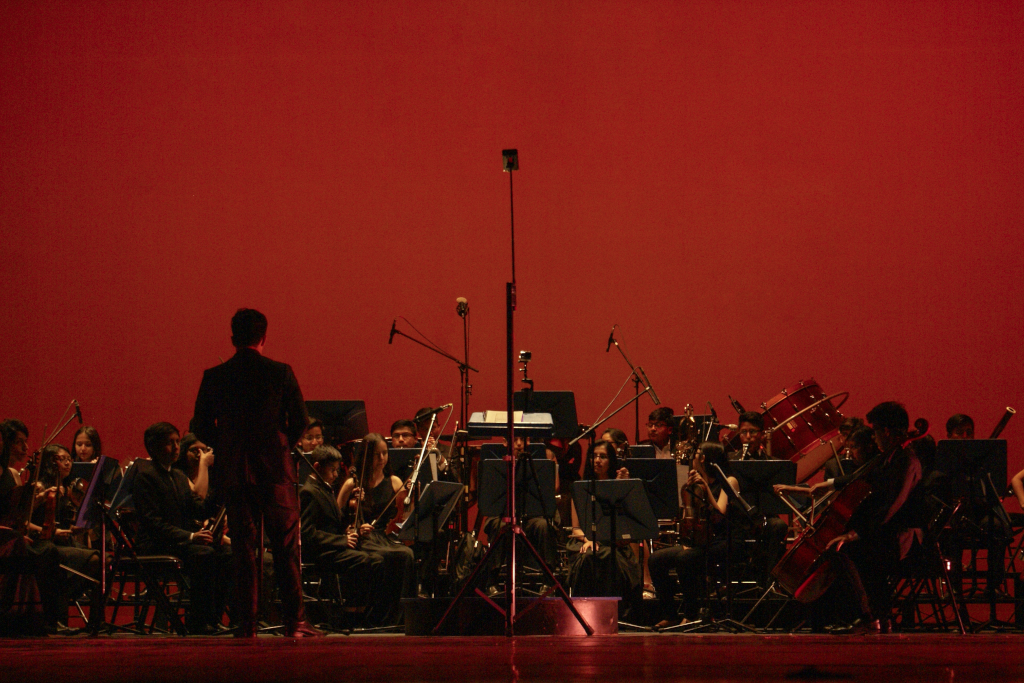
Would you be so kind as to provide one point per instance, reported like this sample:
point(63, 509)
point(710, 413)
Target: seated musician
point(596, 569)
point(983, 521)
point(312, 437)
point(751, 438)
point(53, 471)
point(406, 434)
point(377, 498)
point(689, 562)
point(619, 440)
point(877, 535)
point(540, 531)
point(21, 557)
point(859, 447)
point(330, 542)
point(88, 448)
point(195, 461)
point(168, 511)
point(660, 432)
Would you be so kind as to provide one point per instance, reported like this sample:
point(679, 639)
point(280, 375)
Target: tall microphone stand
point(637, 381)
point(512, 528)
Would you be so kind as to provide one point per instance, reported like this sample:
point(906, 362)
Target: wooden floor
point(876, 659)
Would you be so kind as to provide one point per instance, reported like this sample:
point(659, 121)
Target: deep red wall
point(756, 192)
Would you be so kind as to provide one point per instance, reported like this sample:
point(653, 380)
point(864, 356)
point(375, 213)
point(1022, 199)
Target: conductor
point(250, 410)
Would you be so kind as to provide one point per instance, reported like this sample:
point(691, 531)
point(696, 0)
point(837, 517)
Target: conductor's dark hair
point(753, 418)
point(398, 424)
point(889, 415)
point(957, 421)
point(613, 459)
point(661, 414)
point(248, 327)
point(325, 455)
point(94, 438)
point(156, 436)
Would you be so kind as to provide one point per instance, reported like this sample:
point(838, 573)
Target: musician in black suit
point(250, 411)
point(170, 523)
point(328, 540)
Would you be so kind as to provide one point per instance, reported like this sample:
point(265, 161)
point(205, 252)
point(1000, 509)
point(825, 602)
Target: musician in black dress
point(169, 523)
point(380, 502)
point(689, 562)
point(597, 569)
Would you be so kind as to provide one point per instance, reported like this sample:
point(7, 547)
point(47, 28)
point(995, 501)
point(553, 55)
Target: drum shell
point(810, 438)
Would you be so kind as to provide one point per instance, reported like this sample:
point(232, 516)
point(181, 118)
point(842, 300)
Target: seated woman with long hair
point(690, 562)
point(597, 569)
point(379, 503)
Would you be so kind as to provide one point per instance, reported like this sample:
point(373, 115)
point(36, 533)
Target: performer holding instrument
point(376, 497)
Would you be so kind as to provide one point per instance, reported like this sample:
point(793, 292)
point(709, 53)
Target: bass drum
point(804, 426)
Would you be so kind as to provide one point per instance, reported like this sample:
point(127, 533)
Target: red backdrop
point(756, 192)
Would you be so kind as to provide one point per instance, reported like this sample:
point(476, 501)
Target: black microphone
point(714, 415)
point(737, 406)
point(611, 339)
point(647, 384)
point(435, 411)
point(78, 412)
point(391, 337)
point(461, 306)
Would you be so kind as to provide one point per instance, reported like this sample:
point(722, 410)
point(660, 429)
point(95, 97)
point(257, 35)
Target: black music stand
point(535, 490)
point(402, 461)
point(431, 512)
point(561, 405)
point(84, 470)
point(618, 511)
point(644, 451)
point(757, 479)
point(344, 421)
point(123, 496)
point(661, 483)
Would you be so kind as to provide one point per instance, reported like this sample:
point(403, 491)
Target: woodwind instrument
point(1010, 412)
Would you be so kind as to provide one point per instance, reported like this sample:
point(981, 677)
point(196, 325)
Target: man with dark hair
point(250, 410)
point(168, 512)
point(330, 543)
point(660, 432)
point(403, 434)
point(876, 537)
point(960, 426)
point(751, 433)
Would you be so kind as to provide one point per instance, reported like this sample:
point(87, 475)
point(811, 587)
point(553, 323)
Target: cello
point(805, 571)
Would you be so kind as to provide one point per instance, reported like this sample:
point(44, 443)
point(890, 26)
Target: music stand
point(661, 483)
point(965, 460)
point(535, 495)
point(344, 421)
point(561, 405)
point(431, 512)
point(620, 510)
point(756, 479)
point(402, 461)
point(644, 451)
point(123, 495)
point(497, 451)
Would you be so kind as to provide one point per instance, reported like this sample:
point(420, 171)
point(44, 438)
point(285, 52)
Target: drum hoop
point(844, 394)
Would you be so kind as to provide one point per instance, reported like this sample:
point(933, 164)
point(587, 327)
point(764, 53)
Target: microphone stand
point(636, 388)
point(512, 530)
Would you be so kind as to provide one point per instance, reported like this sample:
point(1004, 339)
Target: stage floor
point(400, 659)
